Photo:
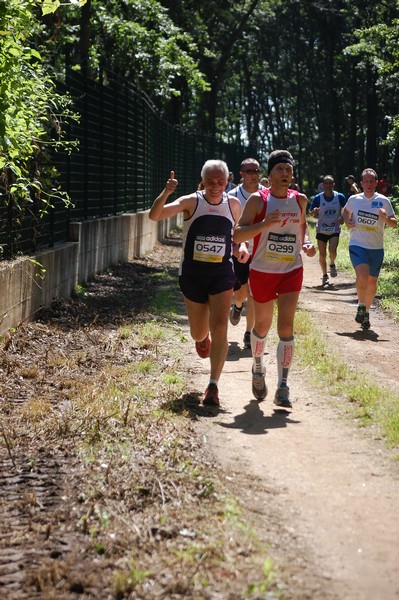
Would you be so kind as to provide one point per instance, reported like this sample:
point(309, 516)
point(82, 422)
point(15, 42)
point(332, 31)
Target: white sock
point(258, 349)
point(285, 354)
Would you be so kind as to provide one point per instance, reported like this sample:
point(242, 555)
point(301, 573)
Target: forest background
point(319, 78)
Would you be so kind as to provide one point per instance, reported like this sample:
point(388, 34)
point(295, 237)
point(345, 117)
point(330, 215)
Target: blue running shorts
point(372, 258)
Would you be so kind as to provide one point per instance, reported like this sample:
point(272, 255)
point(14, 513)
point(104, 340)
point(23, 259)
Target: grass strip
point(369, 403)
point(388, 281)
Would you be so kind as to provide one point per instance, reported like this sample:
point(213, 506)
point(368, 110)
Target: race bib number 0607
point(209, 248)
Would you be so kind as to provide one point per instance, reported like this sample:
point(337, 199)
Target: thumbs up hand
point(172, 183)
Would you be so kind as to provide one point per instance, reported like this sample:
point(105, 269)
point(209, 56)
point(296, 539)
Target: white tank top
point(278, 248)
point(330, 211)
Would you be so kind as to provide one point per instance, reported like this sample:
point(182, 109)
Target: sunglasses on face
point(251, 171)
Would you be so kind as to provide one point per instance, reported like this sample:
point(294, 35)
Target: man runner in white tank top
point(250, 173)
point(276, 219)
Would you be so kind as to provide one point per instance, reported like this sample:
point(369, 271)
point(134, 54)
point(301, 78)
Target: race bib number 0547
point(209, 248)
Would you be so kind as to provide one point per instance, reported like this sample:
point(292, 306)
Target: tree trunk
point(84, 38)
point(372, 120)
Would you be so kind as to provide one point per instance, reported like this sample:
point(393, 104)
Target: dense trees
point(318, 77)
point(31, 113)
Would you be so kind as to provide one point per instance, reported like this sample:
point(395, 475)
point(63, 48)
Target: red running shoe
point(211, 396)
point(203, 347)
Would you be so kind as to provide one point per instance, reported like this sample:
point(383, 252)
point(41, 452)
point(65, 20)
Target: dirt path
point(328, 493)
point(322, 494)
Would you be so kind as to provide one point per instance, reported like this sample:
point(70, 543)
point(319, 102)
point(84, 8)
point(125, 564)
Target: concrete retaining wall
point(29, 283)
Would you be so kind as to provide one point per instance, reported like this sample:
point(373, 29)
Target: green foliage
point(50, 6)
point(32, 113)
point(138, 41)
point(329, 95)
point(378, 48)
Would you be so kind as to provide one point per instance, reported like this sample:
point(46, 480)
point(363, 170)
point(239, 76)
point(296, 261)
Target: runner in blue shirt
point(327, 207)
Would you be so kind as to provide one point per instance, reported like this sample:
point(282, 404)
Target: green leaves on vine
point(31, 110)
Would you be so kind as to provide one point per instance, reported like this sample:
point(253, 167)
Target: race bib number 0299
point(209, 248)
point(280, 248)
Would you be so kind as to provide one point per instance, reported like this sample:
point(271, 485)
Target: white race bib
point(280, 248)
point(209, 248)
point(327, 228)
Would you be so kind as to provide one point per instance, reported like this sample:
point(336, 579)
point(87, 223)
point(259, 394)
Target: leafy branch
point(32, 112)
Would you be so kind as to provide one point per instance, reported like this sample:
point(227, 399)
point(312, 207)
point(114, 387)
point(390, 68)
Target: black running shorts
point(197, 286)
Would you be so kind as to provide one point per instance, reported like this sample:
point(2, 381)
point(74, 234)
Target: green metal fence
point(124, 156)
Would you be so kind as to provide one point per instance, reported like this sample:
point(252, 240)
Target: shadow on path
point(254, 422)
point(362, 336)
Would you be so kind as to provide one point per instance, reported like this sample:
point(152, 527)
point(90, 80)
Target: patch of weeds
point(164, 303)
point(36, 409)
point(79, 291)
point(207, 489)
point(31, 372)
point(372, 404)
point(150, 333)
point(264, 586)
point(175, 383)
point(60, 362)
point(125, 582)
point(145, 366)
point(125, 332)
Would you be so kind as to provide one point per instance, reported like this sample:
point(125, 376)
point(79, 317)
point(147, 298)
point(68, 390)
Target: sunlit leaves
point(138, 40)
point(30, 107)
point(50, 6)
point(378, 47)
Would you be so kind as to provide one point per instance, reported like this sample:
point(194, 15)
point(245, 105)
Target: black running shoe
point(282, 397)
point(361, 312)
point(259, 388)
point(366, 321)
point(247, 340)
